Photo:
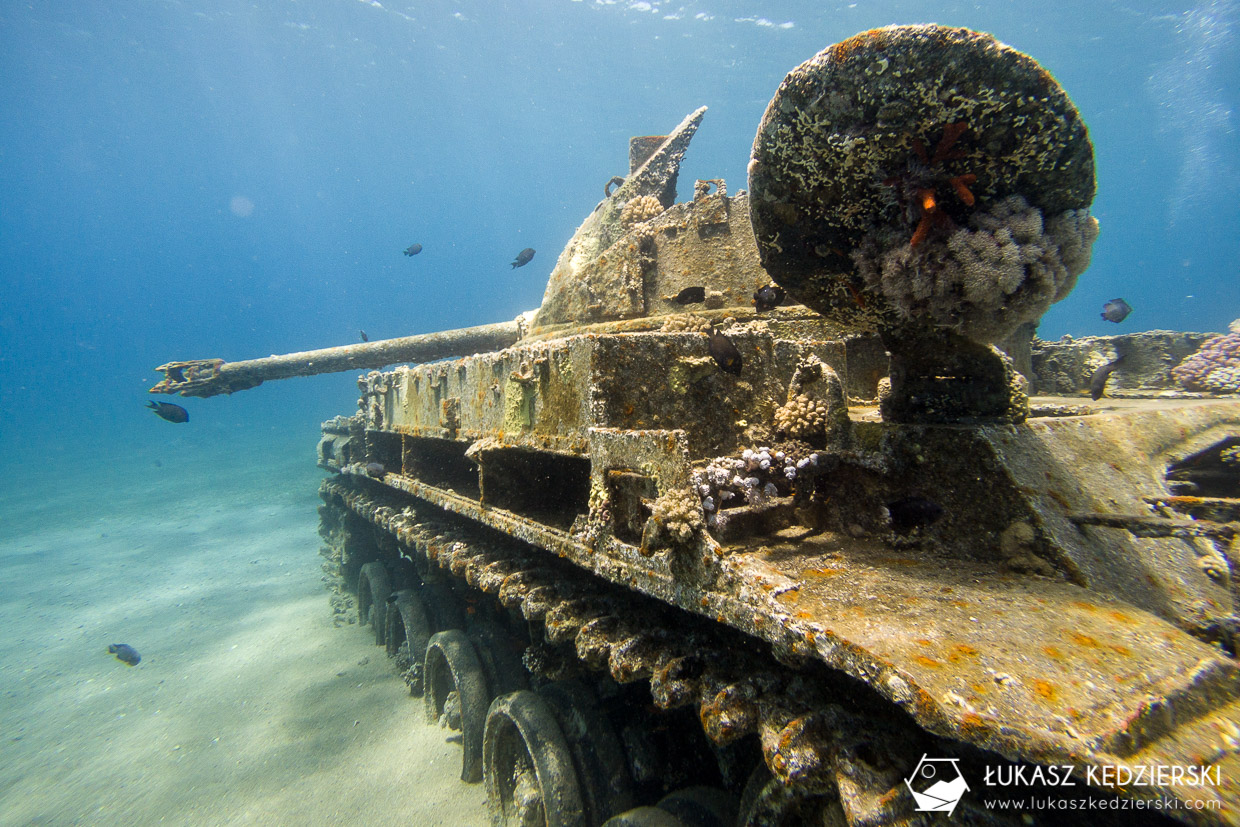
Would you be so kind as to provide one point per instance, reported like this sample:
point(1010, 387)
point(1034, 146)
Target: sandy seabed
point(249, 706)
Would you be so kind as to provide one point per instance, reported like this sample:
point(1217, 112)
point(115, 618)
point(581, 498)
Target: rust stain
point(897, 561)
point(973, 725)
point(872, 39)
point(1045, 689)
point(961, 650)
point(822, 572)
point(1082, 639)
point(925, 661)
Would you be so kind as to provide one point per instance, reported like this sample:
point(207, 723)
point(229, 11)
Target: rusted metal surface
point(1064, 367)
point(1069, 643)
point(1144, 525)
point(1109, 464)
point(209, 377)
point(737, 692)
point(546, 395)
point(1111, 686)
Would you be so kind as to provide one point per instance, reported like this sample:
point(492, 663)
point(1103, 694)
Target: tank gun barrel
point(209, 377)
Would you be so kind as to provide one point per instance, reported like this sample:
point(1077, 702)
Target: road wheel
point(702, 806)
point(456, 694)
point(528, 768)
point(598, 757)
point(690, 807)
point(645, 817)
point(500, 654)
point(408, 624)
point(373, 588)
point(766, 802)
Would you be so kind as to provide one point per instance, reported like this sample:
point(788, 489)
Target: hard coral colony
point(1215, 367)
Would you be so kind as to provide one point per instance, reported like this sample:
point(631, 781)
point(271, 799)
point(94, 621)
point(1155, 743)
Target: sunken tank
point(665, 553)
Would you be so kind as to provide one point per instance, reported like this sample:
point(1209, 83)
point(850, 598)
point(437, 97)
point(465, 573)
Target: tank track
point(833, 746)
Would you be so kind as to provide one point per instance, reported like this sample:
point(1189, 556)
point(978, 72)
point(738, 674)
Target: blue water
point(202, 179)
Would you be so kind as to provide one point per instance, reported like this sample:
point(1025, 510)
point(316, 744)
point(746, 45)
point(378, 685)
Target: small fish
point(125, 653)
point(523, 257)
point(690, 295)
point(725, 353)
point(412, 249)
point(908, 513)
point(168, 411)
point(768, 298)
point(1116, 310)
point(1098, 382)
point(375, 469)
point(362, 333)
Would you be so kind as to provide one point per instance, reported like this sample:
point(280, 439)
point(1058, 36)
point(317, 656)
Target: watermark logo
point(937, 784)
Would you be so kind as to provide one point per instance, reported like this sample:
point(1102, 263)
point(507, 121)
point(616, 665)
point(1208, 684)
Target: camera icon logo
point(937, 784)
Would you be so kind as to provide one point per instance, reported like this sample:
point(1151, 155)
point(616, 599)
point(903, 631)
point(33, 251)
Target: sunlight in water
point(241, 206)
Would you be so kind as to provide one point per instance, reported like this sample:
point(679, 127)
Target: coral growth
point(817, 411)
point(637, 210)
point(1215, 367)
point(921, 187)
point(986, 280)
point(802, 418)
point(898, 137)
point(686, 323)
point(675, 518)
point(643, 237)
point(754, 477)
point(1018, 545)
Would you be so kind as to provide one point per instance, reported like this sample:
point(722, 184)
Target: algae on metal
point(848, 121)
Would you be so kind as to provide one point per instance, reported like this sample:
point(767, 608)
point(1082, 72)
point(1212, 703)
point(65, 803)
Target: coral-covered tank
point(759, 519)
